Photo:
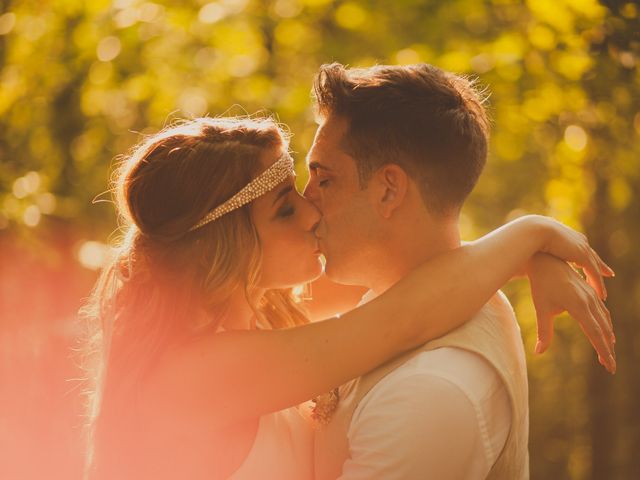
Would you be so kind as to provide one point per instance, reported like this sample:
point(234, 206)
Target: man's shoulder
point(443, 390)
point(453, 359)
point(423, 386)
point(498, 308)
point(468, 372)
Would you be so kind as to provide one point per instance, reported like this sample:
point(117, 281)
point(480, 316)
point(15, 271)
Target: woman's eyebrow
point(286, 189)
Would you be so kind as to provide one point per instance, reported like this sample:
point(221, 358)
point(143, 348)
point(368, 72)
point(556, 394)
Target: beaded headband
point(266, 181)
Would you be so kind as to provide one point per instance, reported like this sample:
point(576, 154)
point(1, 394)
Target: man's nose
point(315, 215)
point(310, 194)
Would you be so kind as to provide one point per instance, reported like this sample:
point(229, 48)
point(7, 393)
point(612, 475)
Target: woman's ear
point(392, 184)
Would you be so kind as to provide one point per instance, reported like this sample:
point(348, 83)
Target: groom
point(398, 150)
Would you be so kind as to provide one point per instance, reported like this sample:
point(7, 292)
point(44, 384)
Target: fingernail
point(612, 364)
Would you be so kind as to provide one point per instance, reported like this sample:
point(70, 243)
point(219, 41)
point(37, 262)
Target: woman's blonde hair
point(166, 283)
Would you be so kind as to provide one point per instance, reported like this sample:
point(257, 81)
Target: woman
point(195, 336)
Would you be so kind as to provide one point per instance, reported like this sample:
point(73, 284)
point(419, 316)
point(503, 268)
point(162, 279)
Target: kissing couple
point(202, 354)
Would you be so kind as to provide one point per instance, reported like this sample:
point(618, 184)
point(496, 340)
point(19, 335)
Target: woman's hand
point(573, 247)
point(556, 288)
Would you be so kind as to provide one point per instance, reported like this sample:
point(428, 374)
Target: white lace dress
point(282, 449)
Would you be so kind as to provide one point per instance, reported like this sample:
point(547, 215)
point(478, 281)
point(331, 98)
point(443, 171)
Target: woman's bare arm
point(244, 374)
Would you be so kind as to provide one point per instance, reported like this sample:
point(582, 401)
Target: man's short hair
point(430, 122)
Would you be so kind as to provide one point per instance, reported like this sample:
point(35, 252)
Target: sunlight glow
point(93, 255)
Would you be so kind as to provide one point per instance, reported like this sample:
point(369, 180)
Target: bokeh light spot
point(575, 137)
point(46, 202)
point(211, 13)
point(7, 22)
point(350, 16)
point(126, 17)
point(287, 8)
point(407, 56)
point(482, 63)
point(193, 102)
point(242, 65)
point(93, 255)
point(149, 12)
point(26, 185)
point(542, 37)
point(31, 216)
point(108, 48)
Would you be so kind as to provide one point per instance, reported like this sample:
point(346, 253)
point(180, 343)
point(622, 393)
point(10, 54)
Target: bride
point(198, 352)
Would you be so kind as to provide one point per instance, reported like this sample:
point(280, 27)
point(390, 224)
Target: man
point(397, 152)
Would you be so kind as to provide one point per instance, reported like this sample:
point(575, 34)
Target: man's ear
point(392, 184)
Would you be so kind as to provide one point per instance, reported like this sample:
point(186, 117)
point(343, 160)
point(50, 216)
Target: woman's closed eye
point(285, 211)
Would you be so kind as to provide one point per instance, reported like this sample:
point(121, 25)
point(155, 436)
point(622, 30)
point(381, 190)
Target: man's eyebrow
point(286, 189)
point(318, 166)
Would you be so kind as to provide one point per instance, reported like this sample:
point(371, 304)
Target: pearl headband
point(263, 183)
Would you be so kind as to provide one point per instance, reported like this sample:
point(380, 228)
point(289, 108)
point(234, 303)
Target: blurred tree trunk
point(613, 228)
point(599, 390)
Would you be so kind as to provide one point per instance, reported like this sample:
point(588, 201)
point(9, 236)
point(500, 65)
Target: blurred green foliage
point(81, 80)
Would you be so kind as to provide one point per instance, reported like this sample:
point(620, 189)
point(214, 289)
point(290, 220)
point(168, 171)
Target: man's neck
point(419, 243)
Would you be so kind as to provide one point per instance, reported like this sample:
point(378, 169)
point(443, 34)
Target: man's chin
point(336, 274)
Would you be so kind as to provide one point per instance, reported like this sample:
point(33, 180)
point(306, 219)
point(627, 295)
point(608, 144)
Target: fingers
point(602, 291)
point(545, 331)
point(595, 320)
point(594, 325)
point(592, 265)
point(605, 269)
point(594, 278)
point(597, 339)
point(605, 316)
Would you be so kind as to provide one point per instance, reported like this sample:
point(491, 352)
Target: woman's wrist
point(535, 234)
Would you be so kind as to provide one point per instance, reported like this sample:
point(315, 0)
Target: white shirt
point(444, 414)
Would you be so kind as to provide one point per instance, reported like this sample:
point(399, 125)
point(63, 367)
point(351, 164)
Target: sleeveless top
point(282, 449)
point(494, 335)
